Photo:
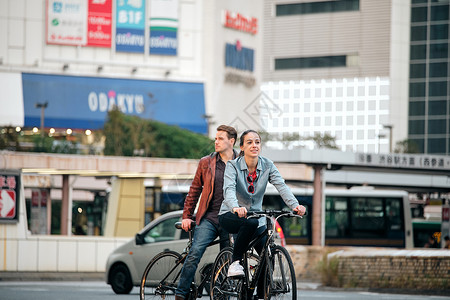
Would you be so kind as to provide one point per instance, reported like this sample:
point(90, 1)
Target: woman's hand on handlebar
point(186, 224)
point(240, 211)
point(300, 210)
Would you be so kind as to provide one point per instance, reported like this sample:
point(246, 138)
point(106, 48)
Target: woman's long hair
point(241, 139)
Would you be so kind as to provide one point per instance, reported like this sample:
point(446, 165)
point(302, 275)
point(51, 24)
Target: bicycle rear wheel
point(161, 276)
point(280, 282)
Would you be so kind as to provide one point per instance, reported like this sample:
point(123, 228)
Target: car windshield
point(163, 231)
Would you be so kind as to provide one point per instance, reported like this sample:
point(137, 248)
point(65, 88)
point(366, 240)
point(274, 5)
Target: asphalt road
point(96, 290)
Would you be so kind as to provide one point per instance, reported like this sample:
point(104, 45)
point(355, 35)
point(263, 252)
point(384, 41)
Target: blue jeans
point(204, 234)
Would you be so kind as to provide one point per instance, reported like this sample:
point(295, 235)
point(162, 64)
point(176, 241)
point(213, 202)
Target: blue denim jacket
point(235, 186)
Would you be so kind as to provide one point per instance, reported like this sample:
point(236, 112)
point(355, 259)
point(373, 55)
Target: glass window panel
point(436, 146)
point(439, 32)
point(336, 217)
point(439, 13)
point(438, 69)
point(437, 107)
point(419, 14)
point(418, 145)
point(418, 52)
point(416, 126)
point(437, 126)
point(437, 88)
point(419, 1)
point(417, 108)
point(417, 70)
point(439, 50)
point(316, 7)
point(417, 89)
point(310, 62)
point(418, 33)
point(367, 215)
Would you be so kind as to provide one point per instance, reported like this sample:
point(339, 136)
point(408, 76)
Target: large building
point(181, 62)
point(429, 90)
point(344, 68)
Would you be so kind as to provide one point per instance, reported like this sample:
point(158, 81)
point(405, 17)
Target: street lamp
point(390, 136)
point(42, 106)
point(380, 136)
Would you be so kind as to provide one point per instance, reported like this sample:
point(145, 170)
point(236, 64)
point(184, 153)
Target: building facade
point(338, 68)
point(181, 62)
point(429, 97)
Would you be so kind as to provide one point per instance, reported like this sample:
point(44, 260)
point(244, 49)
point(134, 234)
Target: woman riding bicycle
point(245, 181)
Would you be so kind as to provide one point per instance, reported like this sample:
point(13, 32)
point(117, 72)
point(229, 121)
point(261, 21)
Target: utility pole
point(42, 106)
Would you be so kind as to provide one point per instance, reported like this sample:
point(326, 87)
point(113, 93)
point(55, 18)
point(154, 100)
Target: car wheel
point(120, 279)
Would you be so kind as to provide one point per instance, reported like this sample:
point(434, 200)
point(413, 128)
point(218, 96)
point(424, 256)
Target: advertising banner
point(130, 25)
point(163, 27)
point(83, 102)
point(79, 22)
point(99, 23)
point(9, 196)
point(67, 22)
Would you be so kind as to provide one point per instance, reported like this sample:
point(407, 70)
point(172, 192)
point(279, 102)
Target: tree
point(406, 146)
point(130, 135)
point(323, 140)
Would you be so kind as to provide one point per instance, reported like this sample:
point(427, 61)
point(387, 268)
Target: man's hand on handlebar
point(240, 211)
point(186, 224)
point(300, 210)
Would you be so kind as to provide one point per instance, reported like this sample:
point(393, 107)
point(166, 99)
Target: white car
point(126, 264)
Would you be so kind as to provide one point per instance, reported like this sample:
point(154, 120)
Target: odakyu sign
point(83, 102)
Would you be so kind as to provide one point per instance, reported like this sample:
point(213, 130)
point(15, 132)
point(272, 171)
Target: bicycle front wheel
point(161, 276)
point(280, 282)
point(222, 287)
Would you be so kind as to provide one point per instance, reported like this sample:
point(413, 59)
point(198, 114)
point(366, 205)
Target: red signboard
point(445, 214)
point(240, 22)
point(99, 23)
point(9, 196)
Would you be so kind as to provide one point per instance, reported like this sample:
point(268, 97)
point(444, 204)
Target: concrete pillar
point(65, 205)
point(317, 208)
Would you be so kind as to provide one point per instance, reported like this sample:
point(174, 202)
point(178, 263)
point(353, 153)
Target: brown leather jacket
point(202, 187)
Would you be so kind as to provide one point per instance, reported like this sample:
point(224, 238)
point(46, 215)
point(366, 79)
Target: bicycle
point(161, 276)
point(279, 274)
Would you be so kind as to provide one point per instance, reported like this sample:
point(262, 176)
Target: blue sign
point(163, 42)
point(84, 102)
point(130, 26)
point(238, 57)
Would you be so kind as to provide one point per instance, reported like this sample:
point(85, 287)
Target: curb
point(52, 276)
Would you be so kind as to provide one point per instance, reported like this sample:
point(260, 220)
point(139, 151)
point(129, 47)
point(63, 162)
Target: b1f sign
point(9, 196)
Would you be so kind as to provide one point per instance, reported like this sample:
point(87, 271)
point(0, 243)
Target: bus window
point(336, 217)
point(367, 217)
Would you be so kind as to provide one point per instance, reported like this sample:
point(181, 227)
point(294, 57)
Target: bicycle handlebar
point(273, 213)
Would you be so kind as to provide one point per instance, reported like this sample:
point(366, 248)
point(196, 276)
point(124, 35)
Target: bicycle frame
point(250, 281)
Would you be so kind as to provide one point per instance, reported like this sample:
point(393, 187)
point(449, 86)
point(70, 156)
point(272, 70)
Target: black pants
point(246, 230)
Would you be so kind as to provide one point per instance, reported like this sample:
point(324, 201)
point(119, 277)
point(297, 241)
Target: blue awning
point(83, 102)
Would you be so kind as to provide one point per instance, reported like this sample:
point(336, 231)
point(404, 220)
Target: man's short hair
point(231, 132)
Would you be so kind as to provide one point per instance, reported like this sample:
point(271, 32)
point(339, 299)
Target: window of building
point(438, 69)
point(419, 14)
point(296, 107)
point(417, 89)
point(350, 91)
point(418, 52)
point(418, 33)
point(436, 108)
point(417, 108)
point(316, 7)
point(438, 88)
point(416, 126)
point(436, 146)
point(439, 50)
point(419, 144)
point(437, 126)
point(439, 32)
point(310, 62)
point(439, 13)
point(417, 70)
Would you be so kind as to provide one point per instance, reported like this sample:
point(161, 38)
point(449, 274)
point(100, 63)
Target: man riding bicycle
point(208, 182)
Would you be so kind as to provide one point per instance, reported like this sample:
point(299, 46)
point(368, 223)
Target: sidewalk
point(52, 276)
